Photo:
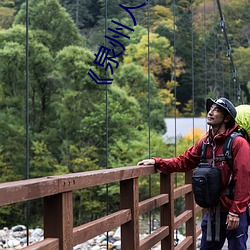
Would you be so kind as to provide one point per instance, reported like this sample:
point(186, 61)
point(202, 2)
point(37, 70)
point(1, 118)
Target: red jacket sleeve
point(183, 163)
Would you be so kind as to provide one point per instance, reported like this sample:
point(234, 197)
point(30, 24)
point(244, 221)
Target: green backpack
point(243, 120)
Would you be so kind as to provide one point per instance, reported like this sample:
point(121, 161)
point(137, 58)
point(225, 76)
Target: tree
point(124, 117)
point(132, 78)
point(53, 25)
point(85, 14)
point(160, 54)
point(13, 148)
point(114, 11)
point(12, 125)
point(76, 96)
point(40, 60)
point(161, 58)
point(6, 17)
point(80, 105)
point(242, 64)
point(42, 163)
point(161, 16)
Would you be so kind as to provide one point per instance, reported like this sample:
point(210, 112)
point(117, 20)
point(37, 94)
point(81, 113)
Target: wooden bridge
point(56, 192)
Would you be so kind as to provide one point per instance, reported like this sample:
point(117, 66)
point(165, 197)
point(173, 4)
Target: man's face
point(215, 116)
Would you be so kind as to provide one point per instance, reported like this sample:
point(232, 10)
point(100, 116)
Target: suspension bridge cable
point(27, 207)
point(205, 49)
point(149, 92)
point(175, 95)
point(149, 120)
point(174, 73)
point(229, 52)
point(215, 52)
point(106, 117)
point(192, 73)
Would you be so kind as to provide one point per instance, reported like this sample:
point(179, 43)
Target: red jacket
point(241, 167)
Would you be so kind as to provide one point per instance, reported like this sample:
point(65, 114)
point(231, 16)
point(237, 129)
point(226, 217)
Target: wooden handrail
point(56, 191)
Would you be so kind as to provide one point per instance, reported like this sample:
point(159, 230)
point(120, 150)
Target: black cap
point(223, 103)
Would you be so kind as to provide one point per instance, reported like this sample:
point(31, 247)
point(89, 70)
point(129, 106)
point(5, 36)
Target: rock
point(13, 243)
point(18, 234)
point(18, 228)
point(91, 242)
point(23, 240)
point(95, 248)
point(111, 239)
point(3, 233)
point(38, 232)
point(81, 246)
point(103, 243)
point(117, 245)
point(100, 238)
point(111, 233)
point(117, 234)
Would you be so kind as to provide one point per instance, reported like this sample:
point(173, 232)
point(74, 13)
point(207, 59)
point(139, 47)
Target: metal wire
point(215, 52)
point(174, 73)
point(106, 119)
point(192, 77)
point(175, 107)
point(205, 50)
point(27, 207)
point(149, 120)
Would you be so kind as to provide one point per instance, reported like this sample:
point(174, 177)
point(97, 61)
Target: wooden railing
point(59, 232)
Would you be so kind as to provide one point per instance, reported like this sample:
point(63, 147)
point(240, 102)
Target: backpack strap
point(227, 151)
point(203, 152)
point(227, 148)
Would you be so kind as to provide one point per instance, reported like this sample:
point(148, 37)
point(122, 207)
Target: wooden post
point(190, 205)
point(167, 210)
point(129, 197)
point(58, 219)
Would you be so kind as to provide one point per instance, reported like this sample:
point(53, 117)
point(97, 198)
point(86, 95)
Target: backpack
point(206, 179)
point(206, 185)
point(243, 120)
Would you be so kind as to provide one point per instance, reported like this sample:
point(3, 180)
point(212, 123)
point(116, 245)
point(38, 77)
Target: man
point(221, 115)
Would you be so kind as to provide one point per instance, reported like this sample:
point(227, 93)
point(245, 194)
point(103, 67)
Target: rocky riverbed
point(16, 238)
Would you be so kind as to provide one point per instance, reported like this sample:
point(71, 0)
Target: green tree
point(42, 163)
point(40, 67)
point(76, 97)
point(13, 60)
point(85, 14)
point(53, 25)
point(161, 16)
point(242, 64)
point(160, 54)
point(12, 125)
point(132, 78)
point(6, 17)
point(13, 148)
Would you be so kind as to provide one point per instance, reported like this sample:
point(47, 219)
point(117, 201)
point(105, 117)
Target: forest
point(171, 56)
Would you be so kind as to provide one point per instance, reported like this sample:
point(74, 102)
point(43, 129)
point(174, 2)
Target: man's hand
point(146, 162)
point(232, 221)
